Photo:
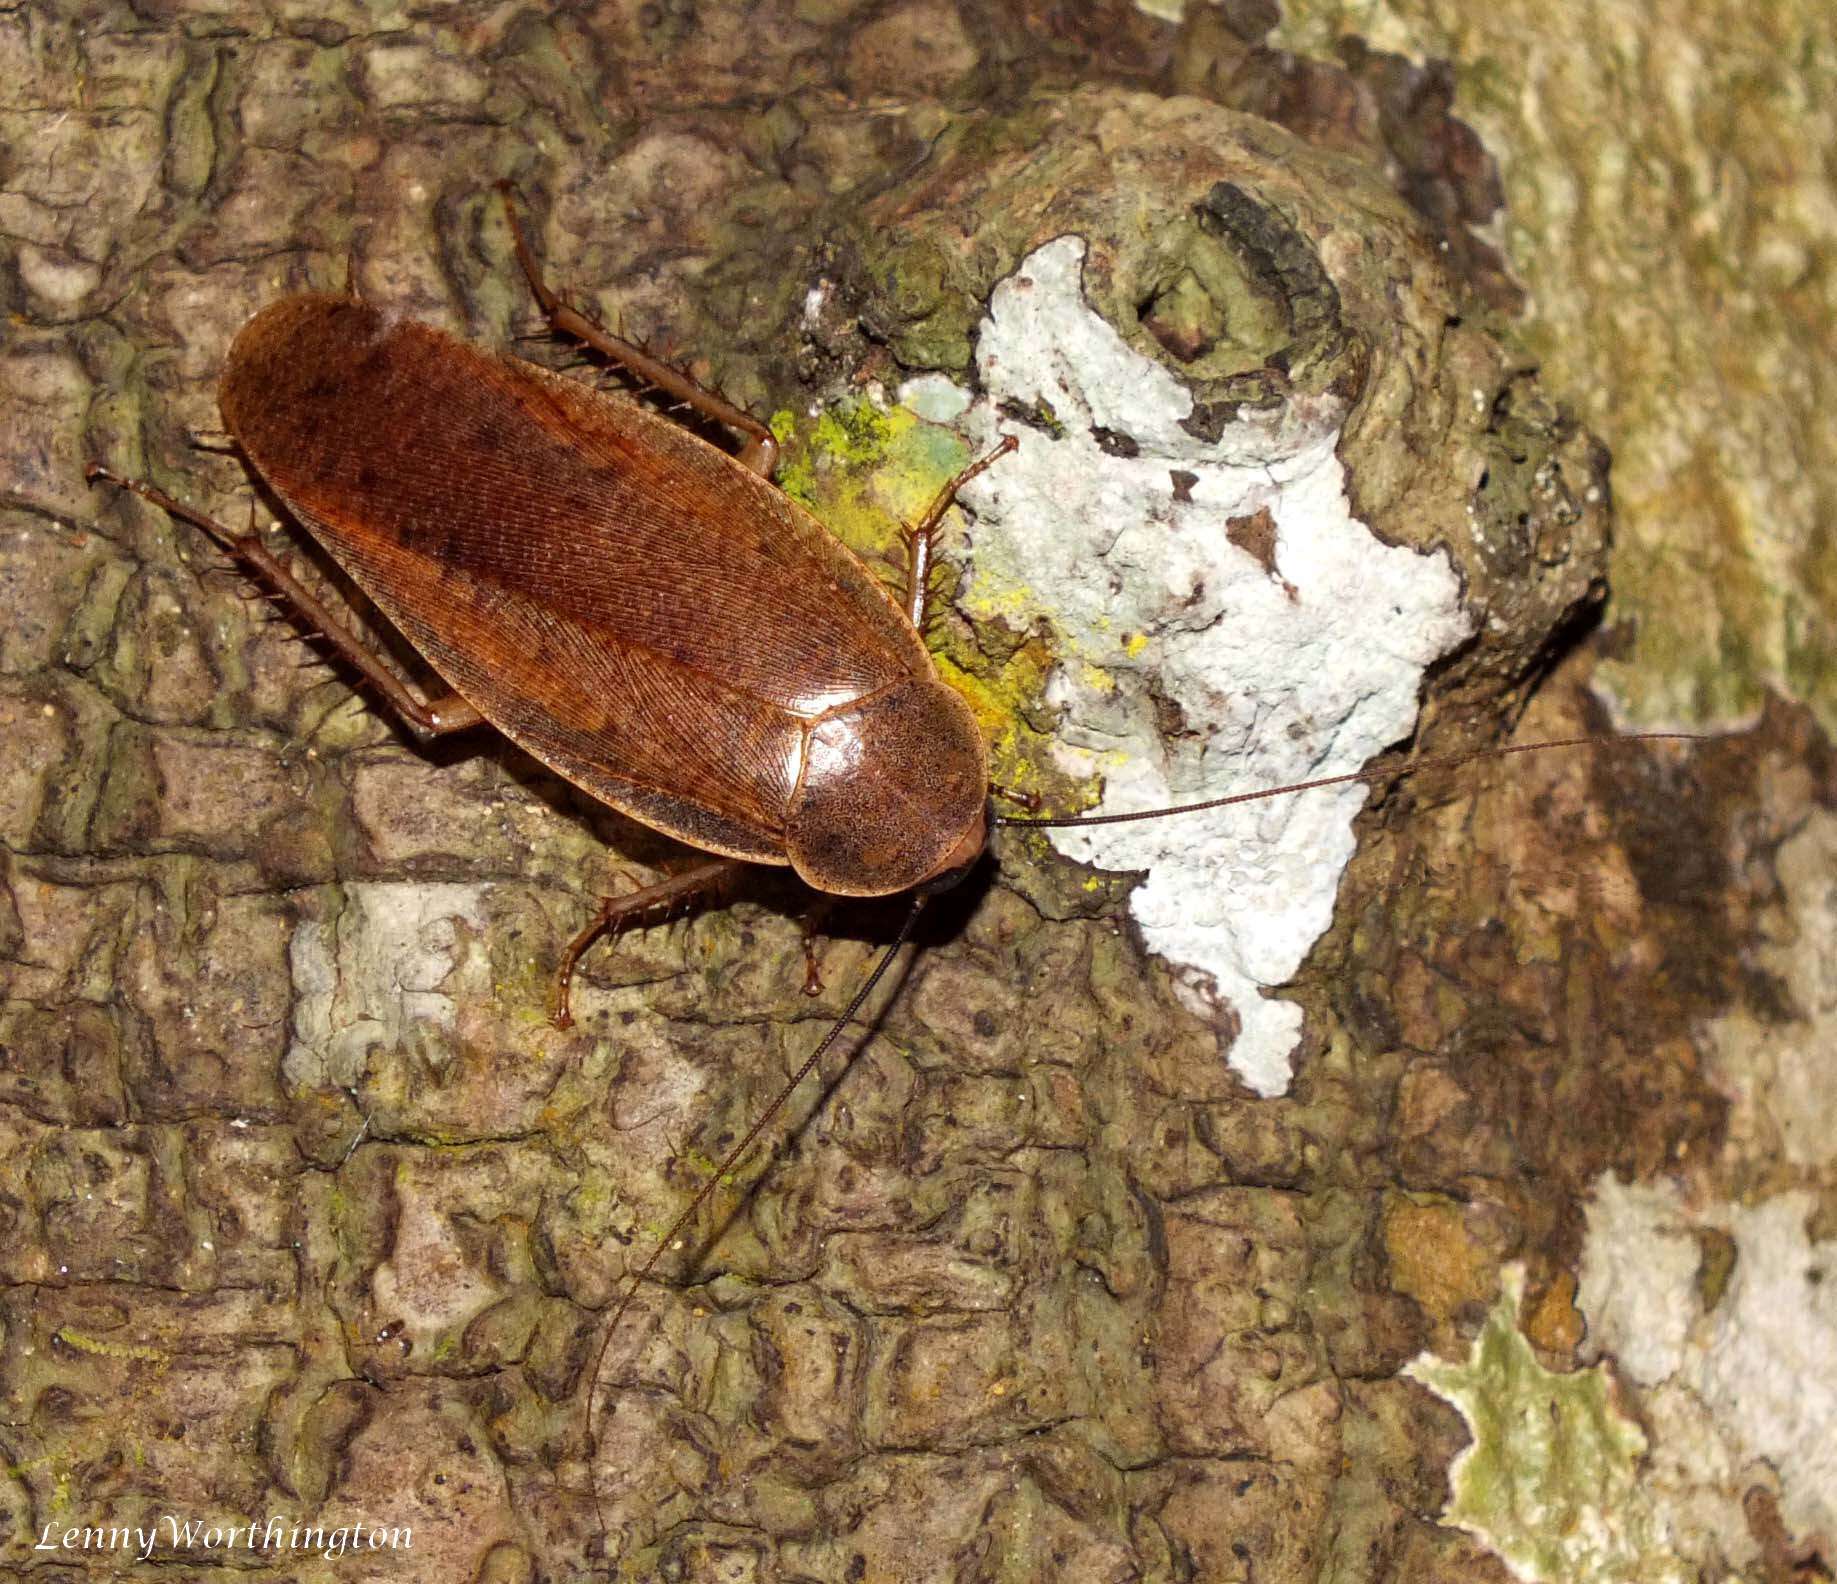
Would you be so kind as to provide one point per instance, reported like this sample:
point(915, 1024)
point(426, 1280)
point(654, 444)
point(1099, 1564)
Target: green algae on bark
point(1552, 1479)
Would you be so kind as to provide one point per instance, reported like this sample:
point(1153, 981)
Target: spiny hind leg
point(616, 913)
point(921, 536)
point(760, 450)
point(424, 717)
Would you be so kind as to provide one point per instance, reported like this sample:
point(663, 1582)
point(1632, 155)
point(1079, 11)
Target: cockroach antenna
point(1384, 773)
point(636, 1280)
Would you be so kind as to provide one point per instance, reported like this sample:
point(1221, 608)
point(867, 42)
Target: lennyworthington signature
point(189, 1537)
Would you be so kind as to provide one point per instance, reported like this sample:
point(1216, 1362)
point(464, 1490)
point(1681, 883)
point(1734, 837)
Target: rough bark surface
point(1667, 171)
point(300, 1219)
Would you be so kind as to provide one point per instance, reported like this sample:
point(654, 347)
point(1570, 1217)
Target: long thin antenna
point(1385, 773)
point(732, 1159)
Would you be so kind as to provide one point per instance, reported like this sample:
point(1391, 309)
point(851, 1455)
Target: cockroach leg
point(1032, 802)
point(616, 912)
point(426, 718)
point(920, 536)
point(918, 573)
point(760, 451)
point(813, 919)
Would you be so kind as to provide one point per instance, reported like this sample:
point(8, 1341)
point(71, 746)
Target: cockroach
point(637, 608)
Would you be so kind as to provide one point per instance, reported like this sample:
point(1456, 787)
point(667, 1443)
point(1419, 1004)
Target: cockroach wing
point(626, 602)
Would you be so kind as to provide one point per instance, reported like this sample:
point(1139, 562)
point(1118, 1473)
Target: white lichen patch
point(1745, 1328)
point(1637, 1272)
point(1552, 1480)
point(377, 975)
point(1224, 624)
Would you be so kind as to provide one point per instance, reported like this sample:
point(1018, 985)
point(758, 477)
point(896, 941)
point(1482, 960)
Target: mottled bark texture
point(308, 1210)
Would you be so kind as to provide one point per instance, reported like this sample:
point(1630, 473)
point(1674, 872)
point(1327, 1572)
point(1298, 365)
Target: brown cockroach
point(640, 610)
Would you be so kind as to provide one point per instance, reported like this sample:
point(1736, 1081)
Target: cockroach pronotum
point(640, 610)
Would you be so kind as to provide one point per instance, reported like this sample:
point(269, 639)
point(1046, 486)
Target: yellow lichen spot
point(864, 468)
point(1134, 644)
point(992, 712)
point(1013, 605)
point(1097, 679)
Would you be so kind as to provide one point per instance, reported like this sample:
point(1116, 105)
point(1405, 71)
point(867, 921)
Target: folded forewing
point(622, 599)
